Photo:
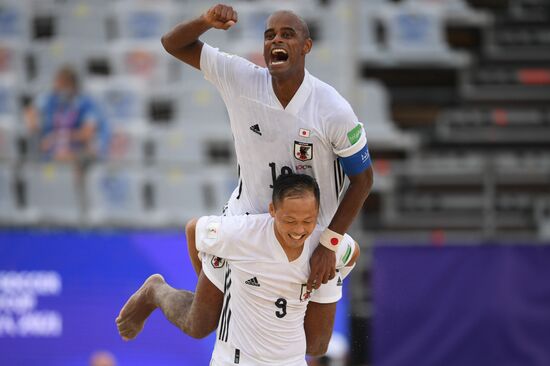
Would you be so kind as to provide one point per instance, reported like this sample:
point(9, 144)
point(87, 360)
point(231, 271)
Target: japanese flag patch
point(304, 133)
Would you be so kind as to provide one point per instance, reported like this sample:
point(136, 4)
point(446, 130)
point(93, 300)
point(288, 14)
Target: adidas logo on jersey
point(256, 129)
point(253, 282)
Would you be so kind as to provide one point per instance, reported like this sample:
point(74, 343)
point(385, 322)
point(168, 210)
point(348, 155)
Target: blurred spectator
point(102, 358)
point(67, 125)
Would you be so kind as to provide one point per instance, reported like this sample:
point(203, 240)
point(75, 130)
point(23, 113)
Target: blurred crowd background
point(100, 129)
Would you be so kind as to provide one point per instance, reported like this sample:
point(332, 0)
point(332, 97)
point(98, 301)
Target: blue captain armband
point(356, 163)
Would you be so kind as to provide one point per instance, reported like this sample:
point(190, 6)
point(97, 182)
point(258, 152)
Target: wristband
point(331, 239)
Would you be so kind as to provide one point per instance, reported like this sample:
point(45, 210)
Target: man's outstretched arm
point(352, 202)
point(183, 42)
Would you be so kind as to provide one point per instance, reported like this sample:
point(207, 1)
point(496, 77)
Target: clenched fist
point(220, 17)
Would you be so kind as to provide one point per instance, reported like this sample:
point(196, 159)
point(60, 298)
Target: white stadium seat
point(85, 21)
point(8, 141)
point(183, 193)
point(373, 107)
point(52, 195)
point(8, 204)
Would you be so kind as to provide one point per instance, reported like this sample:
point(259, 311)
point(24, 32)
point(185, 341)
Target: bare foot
point(137, 309)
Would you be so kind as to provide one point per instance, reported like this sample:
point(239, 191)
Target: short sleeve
point(208, 234)
point(225, 71)
point(329, 292)
point(349, 141)
point(219, 236)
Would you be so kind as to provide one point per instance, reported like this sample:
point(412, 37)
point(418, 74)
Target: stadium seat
point(321, 62)
point(369, 45)
point(143, 20)
point(127, 145)
point(14, 22)
point(455, 10)
point(85, 21)
point(373, 107)
point(8, 204)
point(415, 34)
point(542, 218)
point(145, 60)
point(202, 105)
point(8, 98)
point(11, 61)
point(252, 19)
point(188, 76)
point(122, 98)
point(181, 193)
point(8, 141)
point(176, 145)
point(47, 57)
point(115, 194)
point(52, 194)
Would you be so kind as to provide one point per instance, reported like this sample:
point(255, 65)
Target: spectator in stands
point(102, 358)
point(68, 126)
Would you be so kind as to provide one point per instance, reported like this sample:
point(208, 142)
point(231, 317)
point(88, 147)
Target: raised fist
point(220, 16)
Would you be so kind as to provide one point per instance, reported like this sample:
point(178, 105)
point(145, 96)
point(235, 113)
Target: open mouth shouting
point(279, 56)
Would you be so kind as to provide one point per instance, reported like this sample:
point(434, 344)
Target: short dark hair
point(293, 185)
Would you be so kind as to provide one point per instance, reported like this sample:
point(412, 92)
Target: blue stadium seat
point(415, 34)
point(142, 20)
point(14, 22)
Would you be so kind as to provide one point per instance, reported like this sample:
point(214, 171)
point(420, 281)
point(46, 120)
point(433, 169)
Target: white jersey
point(307, 136)
point(265, 297)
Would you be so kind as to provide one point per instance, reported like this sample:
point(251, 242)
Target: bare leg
point(195, 314)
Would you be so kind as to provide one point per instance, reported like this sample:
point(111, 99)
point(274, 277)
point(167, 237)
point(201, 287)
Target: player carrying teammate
point(264, 320)
point(283, 120)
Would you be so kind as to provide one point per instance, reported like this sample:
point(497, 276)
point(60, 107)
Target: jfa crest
point(217, 262)
point(303, 151)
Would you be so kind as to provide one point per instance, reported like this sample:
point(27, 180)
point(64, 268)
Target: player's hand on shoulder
point(221, 16)
point(323, 267)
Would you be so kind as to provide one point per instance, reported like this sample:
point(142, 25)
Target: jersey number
point(281, 304)
point(285, 170)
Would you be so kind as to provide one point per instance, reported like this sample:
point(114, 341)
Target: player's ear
point(271, 209)
point(307, 46)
